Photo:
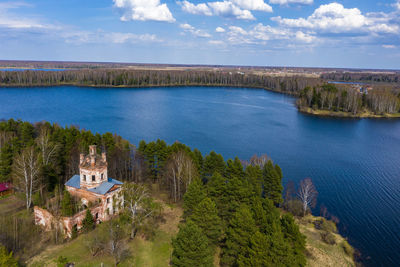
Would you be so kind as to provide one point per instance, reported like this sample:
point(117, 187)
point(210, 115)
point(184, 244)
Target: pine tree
point(194, 195)
point(6, 159)
point(66, 204)
point(213, 162)
point(273, 183)
point(191, 247)
point(254, 176)
point(240, 229)
point(206, 217)
point(234, 168)
point(297, 241)
point(88, 223)
point(256, 254)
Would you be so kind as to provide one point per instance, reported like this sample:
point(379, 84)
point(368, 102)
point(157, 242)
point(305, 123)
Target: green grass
point(10, 205)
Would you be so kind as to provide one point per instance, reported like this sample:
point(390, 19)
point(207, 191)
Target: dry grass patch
point(318, 252)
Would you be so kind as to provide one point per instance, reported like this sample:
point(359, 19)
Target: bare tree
point(180, 170)
point(139, 206)
point(259, 161)
point(307, 194)
point(115, 243)
point(48, 149)
point(26, 173)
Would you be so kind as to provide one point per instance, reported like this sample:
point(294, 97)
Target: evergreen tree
point(213, 162)
point(256, 254)
point(88, 223)
point(218, 191)
point(272, 183)
point(191, 247)
point(206, 217)
point(6, 160)
point(240, 229)
point(6, 258)
point(67, 207)
point(234, 168)
point(297, 241)
point(194, 195)
point(254, 176)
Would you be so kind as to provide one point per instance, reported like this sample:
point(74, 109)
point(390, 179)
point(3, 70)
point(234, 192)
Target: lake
point(355, 164)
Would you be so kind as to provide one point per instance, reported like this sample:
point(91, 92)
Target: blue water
point(355, 164)
point(338, 82)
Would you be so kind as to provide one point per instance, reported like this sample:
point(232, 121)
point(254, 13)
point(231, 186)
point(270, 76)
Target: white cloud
point(196, 32)
point(261, 34)
point(288, 2)
point(397, 5)
point(389, 46)
point(257, 5)
point(335, 18)
point(88, 37)
point(14, 21)
point(306, 38)
point(199, 9)
point(228, 9)
point(219, 29)
point(216, 42)
point(144, 10)
point(239, 9)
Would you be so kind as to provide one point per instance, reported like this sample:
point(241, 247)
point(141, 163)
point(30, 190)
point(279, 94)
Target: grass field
point(10, 204)
point(143, 252)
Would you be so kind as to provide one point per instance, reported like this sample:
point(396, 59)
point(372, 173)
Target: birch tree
point(139, 206)
point(26, 168)
point(48, 149)
point(180, 171)
point(307, 194)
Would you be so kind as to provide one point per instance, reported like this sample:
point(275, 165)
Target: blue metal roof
point(103, 188)
point(75, 181)
point(113, 181)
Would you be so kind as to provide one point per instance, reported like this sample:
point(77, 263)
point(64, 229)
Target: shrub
point(325, 225)
point(61, 261)
point(295, 207)
point(328, 238)
point(349, 250)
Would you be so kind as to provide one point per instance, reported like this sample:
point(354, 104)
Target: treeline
point(362, 77)
point(144, 78)
point(331, 98)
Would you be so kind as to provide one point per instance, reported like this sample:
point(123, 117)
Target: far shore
point(341, 114)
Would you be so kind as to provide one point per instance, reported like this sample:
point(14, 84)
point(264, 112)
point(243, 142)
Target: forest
point(376, 77)
point(346, 99)
point(148, 78)
point(232, 208)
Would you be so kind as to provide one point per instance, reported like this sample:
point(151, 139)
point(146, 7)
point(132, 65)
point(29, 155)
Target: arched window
point(93, 178)
point(102, 176)
point(84, 177)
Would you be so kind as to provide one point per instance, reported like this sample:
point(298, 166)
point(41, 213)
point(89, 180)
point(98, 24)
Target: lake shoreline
point(341, 114)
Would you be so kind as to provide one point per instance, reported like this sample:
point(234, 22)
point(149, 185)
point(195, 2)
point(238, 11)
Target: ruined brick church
point(96, 191)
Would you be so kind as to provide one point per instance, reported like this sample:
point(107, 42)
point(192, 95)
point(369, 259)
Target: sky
point(302, 33)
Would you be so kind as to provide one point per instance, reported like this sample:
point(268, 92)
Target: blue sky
point(310, 33)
